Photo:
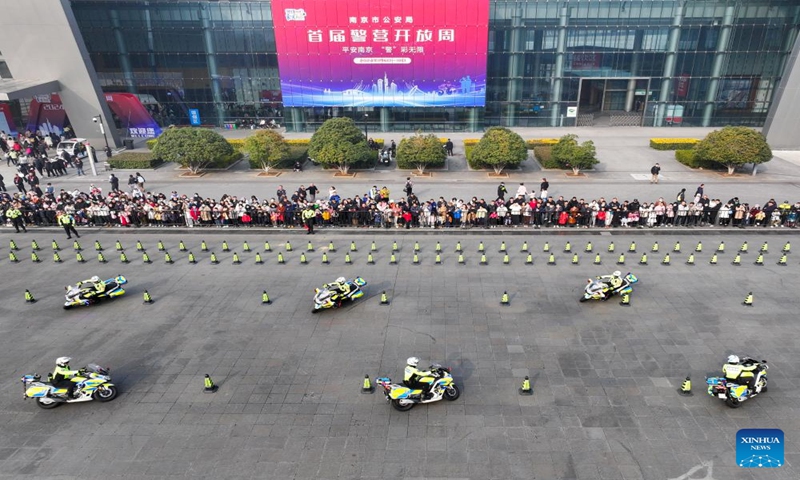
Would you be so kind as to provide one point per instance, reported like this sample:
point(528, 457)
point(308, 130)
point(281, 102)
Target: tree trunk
point(265, 166)
point(576, 170)
point(344, 168)
point(731, 168)
point(421, 168)
point(498, 169)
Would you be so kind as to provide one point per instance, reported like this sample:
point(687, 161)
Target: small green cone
point(203, 246)
point(666, 259)
point(370, 260)
point(393, 260)
point(122, 257)
point(416, 246)
point(147, 298)
point(236, 260)
point(699, 247)
point(372, 247)
point(504, 299)
point(384, 298)
point(192, 260)
point(502, 247)
point(690, 261)
point(438, 259)
point(331, 248)
point(589, 247)
point(139, 246)
point(13, 245)
point(353, 247)
point(29, 297)
point(575, 259)
point(621, 260)
point(265, 298)
point(483, 260)
point(118, 246)
point(181, 246)
point(481, 248)
point(524, 248)
point(759, 260)
point(632, 248)
point(395, 247)
point(526, 387)
point(12, 257)
point(56, 257)
point(35, 257)
point(782, 261)
point(567, 247)
point(643, 261)
point(79, 257)
point(34, 245)
point(225, 246)
point(145, 258)
point(259, 261)
point(597, 260)
point(787, 248)
point(101, 258)
point(325, 258)
point(168, 258)
point(737, 260)
point(529, 259)
point(458, 247)
point(748, 300)
point(416, 259)
point(546, 247)
point(743, 248)
point(76, 245)
point(721, 247)
point(611, 247)
point(347, 258)
point(764, 248)
point(677, 247)
point(209, 385)
point(267, 248)
point(438, 247)
point(246, 247)
point(506, 259)
point(310, 246)
point(713, 260)
point(461, 258)
point(55, 246)
point(280, 258)
point(655, 247)
point(160, 246)
point(303, 259)
point(214, 260)
point(551, 260)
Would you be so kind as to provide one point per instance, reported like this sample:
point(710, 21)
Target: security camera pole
point(90, 152)
point(103, 131)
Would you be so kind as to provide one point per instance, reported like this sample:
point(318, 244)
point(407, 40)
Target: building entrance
point(614, 102)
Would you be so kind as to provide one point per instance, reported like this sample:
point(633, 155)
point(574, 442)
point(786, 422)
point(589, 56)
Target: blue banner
point(194, 116)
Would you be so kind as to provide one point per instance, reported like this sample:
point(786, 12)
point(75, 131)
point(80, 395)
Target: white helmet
point(413, 361)
point(341, 280)
point(95, 278)
point(62, 361)
point(617, 273)
point(733, 359)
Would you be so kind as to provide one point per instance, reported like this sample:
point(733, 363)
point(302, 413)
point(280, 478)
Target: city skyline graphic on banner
point(382, 53)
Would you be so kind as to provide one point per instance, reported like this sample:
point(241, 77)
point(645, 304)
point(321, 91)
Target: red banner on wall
point(682, 85)
point(586, 61)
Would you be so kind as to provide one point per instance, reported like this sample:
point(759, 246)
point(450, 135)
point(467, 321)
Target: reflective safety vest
point(66, 220)
point(13, 213)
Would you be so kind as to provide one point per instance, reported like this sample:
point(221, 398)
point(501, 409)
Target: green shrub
point(544, 155)
point(151, 143)
point(540, 142)
point(673, 143)
point(690, 159)
point(134, 161)
point(226, 161)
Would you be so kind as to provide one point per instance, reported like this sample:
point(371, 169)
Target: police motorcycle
point(734, 393)
point(93, 383)
point(84, 293)
point(329, 295)
point(600, 288)
point(403, 398)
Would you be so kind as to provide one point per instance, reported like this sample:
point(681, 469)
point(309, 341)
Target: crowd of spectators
point(42, 205)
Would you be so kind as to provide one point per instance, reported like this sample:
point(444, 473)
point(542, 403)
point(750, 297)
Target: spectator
point(543, 188)
point(654, 171)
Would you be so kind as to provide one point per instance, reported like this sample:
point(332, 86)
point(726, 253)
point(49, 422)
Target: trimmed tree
point(192, 148)
point(266, 148)
point(420, 151)
point(734, 147)
point(571, 154)
point(339, 144)
point(500, 148)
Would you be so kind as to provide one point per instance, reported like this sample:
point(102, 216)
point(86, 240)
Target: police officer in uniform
point(15, 215)
point(68, 222)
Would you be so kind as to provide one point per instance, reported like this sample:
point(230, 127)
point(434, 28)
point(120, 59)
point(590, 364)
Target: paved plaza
point(605, 404)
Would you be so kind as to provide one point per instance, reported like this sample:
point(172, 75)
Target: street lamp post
point(103, 131)
point(366, 133)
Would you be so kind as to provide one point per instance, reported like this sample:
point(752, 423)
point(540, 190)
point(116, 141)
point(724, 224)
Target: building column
point(716, 67)
point(791, 36)
point(515, 67)
point(151, 41)
point(384, 116)
point(211, 59)
point(473, 120)
point(124, 58)
point(669, 66)
point(538, 37)
point(558, 70)
point(636, 61)
point(297, 119)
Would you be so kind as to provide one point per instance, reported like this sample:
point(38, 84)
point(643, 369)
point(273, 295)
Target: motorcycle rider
point(416, 378)
point(97, 287)
point(62, 376)
point(748, 371)
point(340, 288)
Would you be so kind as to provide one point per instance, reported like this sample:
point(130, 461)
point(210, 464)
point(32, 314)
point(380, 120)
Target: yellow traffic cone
point(782, 261)
point(310, 246)
point(743, 248)
point(643, 260)
point(524, 246)
point(193, 260)
point(655, 247)
point(626, 300)
point(686, 387)
point(621, 260)
point(529, 259)
point(168, 258)
point(546, 247)
point(764, 248)
point(461, 258)
point(370, 260)
point(439, 258)
point(181, 246)
point(699, 247)
point(29, 297)
point(666, 259)
point(506, 259)
point(483, 260)
point(787, 248)
point(395, 248)
point(575, 259)
point(209, 386)
point(367, 387)
point(280, 258)
point(551, 260)
point(267, 248)
point(748, 300)
point(246, 247)
point(677, 247)
point(34, 245)
point(760, 260)
point(611, 247)
point(353, 247)
point(101, 258)
point(597, 260)
point(713, 260)
point(721, 247)
point(288, 246)
point(13, 245)
point(632, 248)
point(214, 260)
point(526, 387)
point(236, 260)
point(347, 258)
point(55, 246)
point(160, 246)
point(502, 247)
point(56, 257)
point(97, 246)
point(481, 248)
point(438, 247)
point(737, 260)
point(588, 248)
point(139, 246)
point(416, 246)
point(34, 257)
point(690, 261)
point(458, 247)
point(384, 298)
point(118, 246)
point(13, 257)
point(504, 299)
point(79, 257)
point(203, 246)
point(303, 259)
point(416, 259)
point(567, 247)
point(147, 298)
point(265, 298)
point(393, 259)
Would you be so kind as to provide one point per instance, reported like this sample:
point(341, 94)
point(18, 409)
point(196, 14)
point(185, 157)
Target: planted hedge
point(689, 158)
point(134, 161)
point(540, 142)
point(673, 143)
point(544, 155)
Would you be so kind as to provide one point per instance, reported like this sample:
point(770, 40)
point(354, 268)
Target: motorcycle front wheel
point(67, 307)
point(452, 392)
point(583, 299)
point(106, 394)
point(402, 405)
point(46, 403)
point(733, 402)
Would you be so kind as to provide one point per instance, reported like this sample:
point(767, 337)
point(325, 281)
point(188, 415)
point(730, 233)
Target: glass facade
point(550, 63)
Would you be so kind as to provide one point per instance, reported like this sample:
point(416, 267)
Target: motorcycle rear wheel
point(400, 407)
point(733, 402)
point(452, 392)
point(49, 403)
point(106, 394)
